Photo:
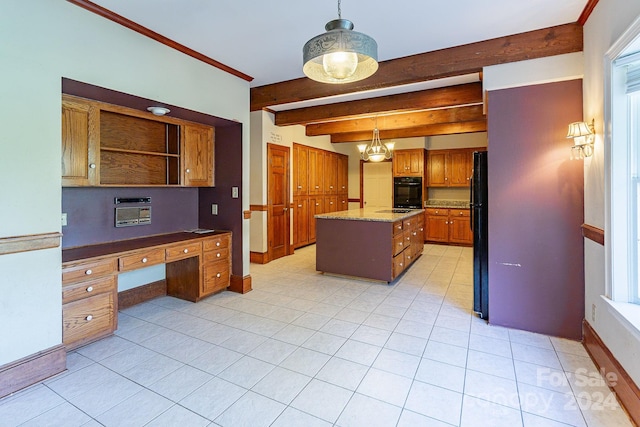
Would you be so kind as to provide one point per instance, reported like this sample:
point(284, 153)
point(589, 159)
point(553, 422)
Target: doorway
point(278, 201)
point(377, 185)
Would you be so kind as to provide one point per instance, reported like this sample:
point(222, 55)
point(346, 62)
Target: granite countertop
point(371, 214)
point(450, 204)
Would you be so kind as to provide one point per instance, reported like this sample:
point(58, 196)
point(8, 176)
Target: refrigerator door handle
point(472, 205)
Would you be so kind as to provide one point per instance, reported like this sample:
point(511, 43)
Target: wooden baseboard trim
point(259, 257)
point(32, 242)
point(31, 369)
point(625, 389)
point(593, 233)
point(141, 294)
point(240, 284)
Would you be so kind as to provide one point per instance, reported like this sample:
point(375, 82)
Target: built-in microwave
point(407, 192)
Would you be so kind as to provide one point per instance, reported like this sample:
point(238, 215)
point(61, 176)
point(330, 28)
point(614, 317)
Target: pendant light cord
point(339, 11)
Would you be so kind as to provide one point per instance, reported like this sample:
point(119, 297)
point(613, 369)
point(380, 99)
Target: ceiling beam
point(454, 61)
point(418, 131)
point(466, 94)
point(398, 121)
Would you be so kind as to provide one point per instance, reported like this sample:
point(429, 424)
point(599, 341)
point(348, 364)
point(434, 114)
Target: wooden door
point(330, 173)
point(416, 162)
point(436, 169)
point(79, 144)
point(343, 174)
point(300, 221)
point(437, 225)
point(330, 204)
point(316, 171)
point(278, 201)
point(401, 161)
point(300, 170)
point(377, 185)
point(197, 145)
point(459, 161)
point(460, 227)
point(315, 208)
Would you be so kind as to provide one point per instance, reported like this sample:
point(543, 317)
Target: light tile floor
point(305, 349)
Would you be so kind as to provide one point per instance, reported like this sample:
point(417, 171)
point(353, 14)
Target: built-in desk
point(197, 265)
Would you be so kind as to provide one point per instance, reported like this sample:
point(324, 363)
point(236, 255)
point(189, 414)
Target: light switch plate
point(234, 192)
point(64, 219)
point(214, 209)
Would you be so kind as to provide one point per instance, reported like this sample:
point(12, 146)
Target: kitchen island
point(374, 244)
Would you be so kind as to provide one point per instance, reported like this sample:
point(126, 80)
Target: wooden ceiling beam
point(465, 94)
point(454, 61)
point(418, 131)
point(398, 121)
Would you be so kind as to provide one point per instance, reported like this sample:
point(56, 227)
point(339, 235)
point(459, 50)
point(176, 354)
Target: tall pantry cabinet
point(320, 185)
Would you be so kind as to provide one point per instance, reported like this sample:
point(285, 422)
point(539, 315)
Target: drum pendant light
point(340, 55)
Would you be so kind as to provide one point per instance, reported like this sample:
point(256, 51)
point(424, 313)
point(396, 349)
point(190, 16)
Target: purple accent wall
point(536, 263)
point(91, 211)
point(228, 173)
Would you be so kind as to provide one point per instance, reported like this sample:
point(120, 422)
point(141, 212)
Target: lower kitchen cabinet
point(451, 226)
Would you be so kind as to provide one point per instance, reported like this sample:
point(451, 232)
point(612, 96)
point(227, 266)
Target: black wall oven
point(407, 192)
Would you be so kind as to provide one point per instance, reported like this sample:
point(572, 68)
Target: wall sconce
point(583, 135)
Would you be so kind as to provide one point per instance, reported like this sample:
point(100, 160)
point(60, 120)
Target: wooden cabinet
point(109, 145)
point(300, 170)
point(197, 154)
point(330, 173)
point(320, 184)
point(408, 162)
point(89, 301)
point(450, 168)
point(216, 266)
point(79, 144)
point(448, 226)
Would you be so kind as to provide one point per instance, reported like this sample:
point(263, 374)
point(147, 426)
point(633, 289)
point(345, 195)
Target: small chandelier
point(583, 135)
point(340, 55)
point(376, 151)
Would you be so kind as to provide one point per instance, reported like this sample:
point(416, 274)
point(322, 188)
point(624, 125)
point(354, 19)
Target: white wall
point(45, 41)
point(607, 22)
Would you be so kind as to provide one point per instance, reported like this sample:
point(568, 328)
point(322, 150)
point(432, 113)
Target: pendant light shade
point(340, 55)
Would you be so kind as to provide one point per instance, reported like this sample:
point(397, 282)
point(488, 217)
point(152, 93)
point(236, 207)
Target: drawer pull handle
point(218, 275)
point(188, 171)
point(92, 165)
point(88, 272)
point(144, 260)
point(217, 243)
point(90, 289)
point(218, 255)
point(186, 251)
point(88, 318)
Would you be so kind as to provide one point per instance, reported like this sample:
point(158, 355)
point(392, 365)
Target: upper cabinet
point(79, 144)
point(300, 170)
point(408, 162)
point(108, 145)
point(450, 168)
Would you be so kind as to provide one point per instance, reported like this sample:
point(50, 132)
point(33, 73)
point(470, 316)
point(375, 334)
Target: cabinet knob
point(331, 187)
point(88, 318)
point(299, 206)
point(188, 170)
point(144, 260)
point(317, 204)
point(436, 211)
point(299, 186)
point(92, 165)
point(217, 243)
point(90, 289)
point(88, 272)
point(218, 255)
point(401, 264)
point(446, 179)
point(218, 275)
point(317, 186)
point(400, 243)
point(186, 251)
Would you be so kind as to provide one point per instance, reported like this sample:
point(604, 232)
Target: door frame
point(362, 162)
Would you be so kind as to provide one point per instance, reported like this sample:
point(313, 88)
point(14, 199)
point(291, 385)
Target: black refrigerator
point(479, 224)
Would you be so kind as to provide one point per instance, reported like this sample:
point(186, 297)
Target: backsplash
point(91, 213)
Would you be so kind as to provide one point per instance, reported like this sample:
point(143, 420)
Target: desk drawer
point(437, 211)
point(216, 277)
point(459, 212)
point(182, 251)
point(397, 227)
point(398, 244)
point(218, 242)
point(88, 319)
point(88, 270)
point(217, 255)
point(141, 259)
point(88, 288)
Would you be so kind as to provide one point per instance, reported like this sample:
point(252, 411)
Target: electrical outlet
point(214, 209)
point(64, 219)
point(593, 312)
point(234, 192)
